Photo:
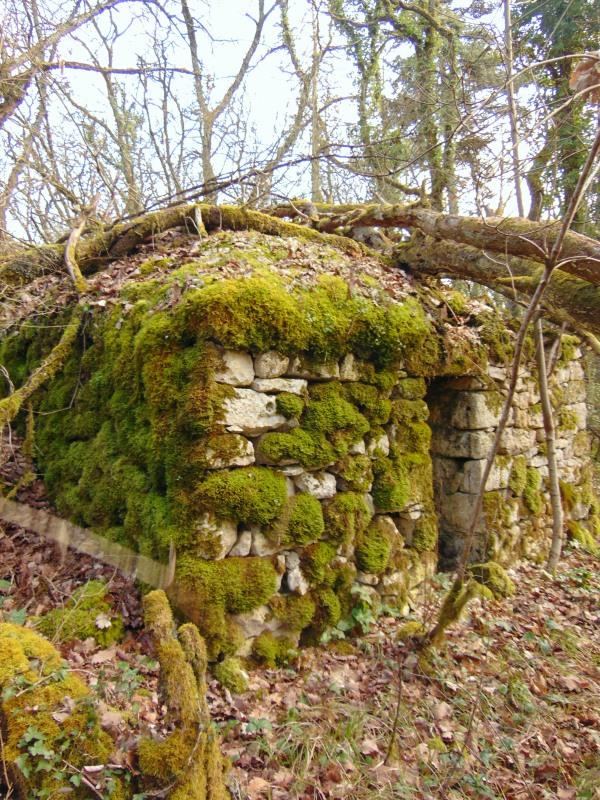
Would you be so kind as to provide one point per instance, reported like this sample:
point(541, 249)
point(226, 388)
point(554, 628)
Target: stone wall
point(352, 448)
point(267, 406)
point(517, 516)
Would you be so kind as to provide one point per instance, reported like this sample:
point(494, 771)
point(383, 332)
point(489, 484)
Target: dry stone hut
point(299, 419)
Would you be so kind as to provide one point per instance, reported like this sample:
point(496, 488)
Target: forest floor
point(510, 708)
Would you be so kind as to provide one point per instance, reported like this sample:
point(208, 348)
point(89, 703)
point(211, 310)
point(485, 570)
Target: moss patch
point(373, 550)
point(231, 674)
point(303, 520)
point(87, 614)
point(346, 516)
point(254, 495)
point(273, 652)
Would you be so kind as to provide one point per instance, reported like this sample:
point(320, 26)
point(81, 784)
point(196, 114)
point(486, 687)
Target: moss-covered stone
point(518, 475)
point(316, 558)
point(272, 652)
point(87, 614)
point(231, 674)
point(254, 495)
point(296, 611)
point(302, 521)
point(373, 550)
point(493, 576)
point(346, 516)
point(208, 591)
point(356, 472)
point(64, 723)
point(584, 538)
point(531, 494)
point(391, 486)
point(290, 405)
point(371, 403)
point(312, 450)
point(425, 535)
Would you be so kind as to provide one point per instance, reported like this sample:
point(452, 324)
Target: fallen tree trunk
point(580, 255)
point(567, 298)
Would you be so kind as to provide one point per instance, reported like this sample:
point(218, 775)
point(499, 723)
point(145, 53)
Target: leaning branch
point(11, 405)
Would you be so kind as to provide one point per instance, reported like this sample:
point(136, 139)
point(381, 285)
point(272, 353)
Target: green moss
point(457, 302)
point(531, 493)
point(207, 591)
point(346, 516)
point(568, 419)
point(296, 611)
point(568, 346)
point(373, 550)
point(231, 675)
point(425, 535)
point(518, 476)
point(273, 652)
point(409, 411)
point(35, 687)
point(330, 414)
point(386, 335)
point(316, 558)
point(289, 405)
point(87, 614)
point(309, 449)
point(329, 608)
point(497, 338)
point(494, 577)
point(357, 472)
point(584, 538)
point(375, 407)
point(410, 389)
point(254, 495)
point(413, 437)
point(303, 520)
point(391, 486)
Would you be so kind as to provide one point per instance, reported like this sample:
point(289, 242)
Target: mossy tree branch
point(11, 405)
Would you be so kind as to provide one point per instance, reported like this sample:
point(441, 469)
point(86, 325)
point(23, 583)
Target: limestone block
point(517, 440)
point(369, 503)
point(243, 544)
point(296, 581)
point(321, 485)
point(261, 545)
point(274, 385)
point(580, 411)
point(458, 510)
point(300, 368)
point(463, 444)
point(413, 511)
point(349, 368)
point(358, 448)
point(367, 579)
point(387, 525)
point(473, 412)
point(574, 392)
point(255, 622)
point(379, 443)
point(576, 372)
point(241, 449)
point(251, 412)
point(270, 364)
point(292, 470)
point(236, 368)
point(539, 460)
point(447, 475)
point(497, 373)
point(473, 473)
point(214, 537)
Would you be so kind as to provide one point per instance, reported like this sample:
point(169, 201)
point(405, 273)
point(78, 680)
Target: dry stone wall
point(309, 436)
point(517, 517)
point(357, 517)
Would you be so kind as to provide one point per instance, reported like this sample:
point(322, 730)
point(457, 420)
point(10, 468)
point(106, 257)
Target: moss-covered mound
point(48, 719)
